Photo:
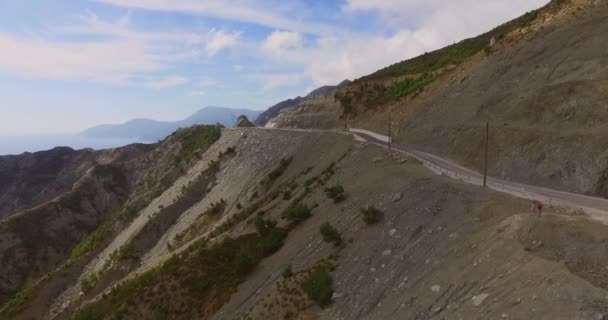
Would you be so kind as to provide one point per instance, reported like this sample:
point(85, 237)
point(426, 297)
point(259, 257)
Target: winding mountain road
point(597, 208)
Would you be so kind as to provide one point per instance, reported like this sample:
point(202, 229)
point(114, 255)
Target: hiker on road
point(537, 207)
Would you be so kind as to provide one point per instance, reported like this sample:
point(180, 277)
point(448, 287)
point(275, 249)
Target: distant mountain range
point(273, 111)
point(153, 130)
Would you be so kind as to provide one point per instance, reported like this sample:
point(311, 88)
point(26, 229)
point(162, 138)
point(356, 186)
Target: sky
point(67, 65)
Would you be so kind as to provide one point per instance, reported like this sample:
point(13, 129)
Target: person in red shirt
point(537, 207)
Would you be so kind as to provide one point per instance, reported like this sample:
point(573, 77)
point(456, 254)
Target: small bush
point(336, 193)
point(372, 215)
point(318, 286)
point(264, 226)
point(88, 283)
point(216, 208)
point(330, 234)
point(297, 213)
point(277, 172)
point(287, 272)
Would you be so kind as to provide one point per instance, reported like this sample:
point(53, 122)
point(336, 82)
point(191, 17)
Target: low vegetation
point(93, 240)
point(330, 234)
point(277, 172)
point(318, 286)
point(297, 213)
point(216, 208)
point(336, 193)
point(287, 272)
point(88, 283)
point(196, 276)
point(10, 309)
point(194, 139)
point(264, 226)
point(372, 215)
point(413, 75)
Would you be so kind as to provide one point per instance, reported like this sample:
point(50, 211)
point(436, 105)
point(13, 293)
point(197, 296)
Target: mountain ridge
point(148, 130)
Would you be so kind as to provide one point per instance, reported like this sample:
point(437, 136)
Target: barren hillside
point(540, 81)
point(218, 242)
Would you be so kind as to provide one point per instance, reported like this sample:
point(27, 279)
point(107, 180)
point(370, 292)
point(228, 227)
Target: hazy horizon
point(68, 65)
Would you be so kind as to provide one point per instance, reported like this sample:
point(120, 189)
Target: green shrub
point(11, 308)
point(216, 208)
point(277, 172)
point(264, 226)
point(87, 283)
point(336, 193)
point(410, 85)
point(297, 213)
point(287, 272)
point(330, 234)
point(318, 286)
point(372, 215)
point(193, 139)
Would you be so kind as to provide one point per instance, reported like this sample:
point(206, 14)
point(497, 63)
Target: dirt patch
point(574, 241)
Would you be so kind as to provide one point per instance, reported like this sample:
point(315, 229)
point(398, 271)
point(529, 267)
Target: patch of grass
point(318, 286)
point(330, 234)
point(372, 215)
point(297, 213)
point(336, 193)
point(194, 139)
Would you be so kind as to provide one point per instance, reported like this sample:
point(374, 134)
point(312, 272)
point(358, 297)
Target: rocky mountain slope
point(318, 227)
point(540, 81)
point(108, 187)
point(275, 110)
point(252, 223)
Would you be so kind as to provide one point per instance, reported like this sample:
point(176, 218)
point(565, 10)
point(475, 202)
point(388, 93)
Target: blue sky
point(66, 65)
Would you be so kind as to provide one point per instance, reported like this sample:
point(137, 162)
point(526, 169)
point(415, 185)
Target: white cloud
point(274, 80)
point(206, 82)
point(196, 93)
point(280, 41)
point(217, 40)
point(166, 82)
point(114, 61)
point(274, 14)
point(332, 58)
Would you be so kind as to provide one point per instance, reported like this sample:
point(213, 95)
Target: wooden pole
point(485, 168)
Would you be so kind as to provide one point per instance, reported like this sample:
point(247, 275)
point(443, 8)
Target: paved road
point(597, 208)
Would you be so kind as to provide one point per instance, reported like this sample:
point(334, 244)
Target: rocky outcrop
point(275, 110)
point(243, 122)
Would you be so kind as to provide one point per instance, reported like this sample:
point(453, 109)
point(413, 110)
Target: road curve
point(597, 208)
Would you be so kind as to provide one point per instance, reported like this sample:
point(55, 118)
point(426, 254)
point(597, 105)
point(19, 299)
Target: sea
point(18, 144)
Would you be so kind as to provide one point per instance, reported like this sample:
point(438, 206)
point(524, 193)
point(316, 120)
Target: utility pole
point(389, 132)
point(485, 169)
